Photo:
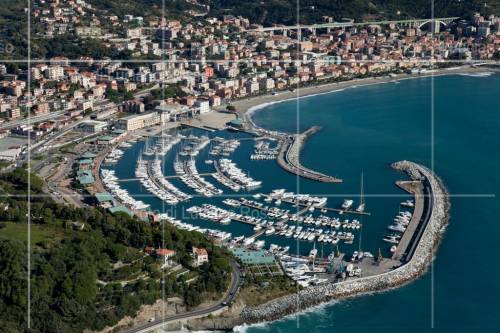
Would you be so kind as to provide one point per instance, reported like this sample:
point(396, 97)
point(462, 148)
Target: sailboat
point(361, 207)
point(148, 151)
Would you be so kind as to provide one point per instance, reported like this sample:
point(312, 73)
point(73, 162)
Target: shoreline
point(247, 107)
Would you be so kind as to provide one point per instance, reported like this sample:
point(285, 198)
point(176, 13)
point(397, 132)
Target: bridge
point(436, 22)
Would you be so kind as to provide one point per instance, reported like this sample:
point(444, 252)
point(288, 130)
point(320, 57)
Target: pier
point(420, 216)
point(337, 210)
point(166, 177)
point(288, 158)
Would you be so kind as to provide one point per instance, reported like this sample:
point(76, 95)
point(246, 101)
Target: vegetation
point(170, 91)
point(261, 289)
point(285, 11)
point(92, 277)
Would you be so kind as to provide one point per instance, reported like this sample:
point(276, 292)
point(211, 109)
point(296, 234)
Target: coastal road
point(236, 281)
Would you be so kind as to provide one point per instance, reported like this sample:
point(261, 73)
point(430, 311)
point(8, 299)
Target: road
point(32, 119)
point(352, 24)
point(236, 281)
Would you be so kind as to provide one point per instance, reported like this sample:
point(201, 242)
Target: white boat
point(408, 203)
point(270, 231)
point(347, 204)
point(391, 239)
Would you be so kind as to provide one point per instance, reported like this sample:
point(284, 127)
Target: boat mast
point(362, 204)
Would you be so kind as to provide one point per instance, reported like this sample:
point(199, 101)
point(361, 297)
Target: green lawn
point(19, 231)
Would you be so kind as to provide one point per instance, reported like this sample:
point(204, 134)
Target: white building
point(202, 105)
point(200, 256)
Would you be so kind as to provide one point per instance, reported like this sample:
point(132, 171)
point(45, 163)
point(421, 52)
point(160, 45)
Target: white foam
point(479, 74)
point(319, 309)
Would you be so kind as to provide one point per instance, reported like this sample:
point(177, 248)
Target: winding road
point(236, 281)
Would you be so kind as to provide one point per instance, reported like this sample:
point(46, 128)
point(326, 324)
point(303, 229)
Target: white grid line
point(29, 165)
point(316, 60)
point(433, 28)
point(297, 129)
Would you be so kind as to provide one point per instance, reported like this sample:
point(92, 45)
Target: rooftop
point(250, 257)
point(103, 197)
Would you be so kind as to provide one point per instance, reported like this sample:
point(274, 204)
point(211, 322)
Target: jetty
point(408, 242)
point(288, 157)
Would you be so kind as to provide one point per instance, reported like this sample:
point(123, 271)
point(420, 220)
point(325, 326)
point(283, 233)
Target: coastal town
point(162, 133)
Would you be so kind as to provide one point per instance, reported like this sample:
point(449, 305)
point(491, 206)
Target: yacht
point(270, 231)
point(347, 204)
point(408, 203)
point(393, 239)
point(397, 227)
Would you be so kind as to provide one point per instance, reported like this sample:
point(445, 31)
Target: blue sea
point(449, 123)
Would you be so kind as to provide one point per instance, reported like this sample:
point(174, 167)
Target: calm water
point(364, 129)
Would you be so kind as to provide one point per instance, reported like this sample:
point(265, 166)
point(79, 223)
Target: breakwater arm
point(417, 259)
point(288, 157)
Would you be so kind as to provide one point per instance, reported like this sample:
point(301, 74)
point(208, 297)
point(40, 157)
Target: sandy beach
point(245, 107)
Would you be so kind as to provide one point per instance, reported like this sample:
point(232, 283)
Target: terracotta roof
point(201, 252)
point(165, 252)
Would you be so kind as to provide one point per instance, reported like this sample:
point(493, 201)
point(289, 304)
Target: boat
point(391, 239)
point(270, 231)
point(408, 203)
point(397, 227)
point(347, 204)
point(361, 207)
point(393, 248)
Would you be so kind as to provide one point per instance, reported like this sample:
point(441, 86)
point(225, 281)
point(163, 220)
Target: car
point(224, 303)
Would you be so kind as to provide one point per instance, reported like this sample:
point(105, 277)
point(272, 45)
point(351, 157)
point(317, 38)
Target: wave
point(252, 110)
point(479, 74)
point(320, 309)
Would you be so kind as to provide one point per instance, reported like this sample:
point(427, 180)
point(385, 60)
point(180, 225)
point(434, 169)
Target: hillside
point(269, 12)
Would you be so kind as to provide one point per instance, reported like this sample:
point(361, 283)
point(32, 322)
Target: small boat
point(347, 204)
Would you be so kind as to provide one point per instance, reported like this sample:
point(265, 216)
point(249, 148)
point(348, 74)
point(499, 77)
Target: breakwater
point(288, 157)
point(412, 269)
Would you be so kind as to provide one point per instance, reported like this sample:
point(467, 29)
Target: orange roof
point(201, 252)
point(165, 252)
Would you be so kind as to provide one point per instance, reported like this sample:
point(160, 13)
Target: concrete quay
point(417, 260)
point(288, 157)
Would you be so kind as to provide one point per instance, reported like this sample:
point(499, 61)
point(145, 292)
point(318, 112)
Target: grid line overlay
point(29, 166)
point(29, 62)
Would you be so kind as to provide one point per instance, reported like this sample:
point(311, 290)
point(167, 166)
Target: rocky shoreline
point(414, 268)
